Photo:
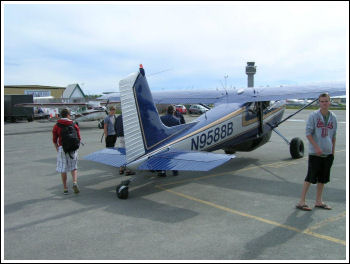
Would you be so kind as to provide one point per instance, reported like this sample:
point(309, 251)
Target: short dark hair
point(324, 95)
point(171, 109)
point(65, 112)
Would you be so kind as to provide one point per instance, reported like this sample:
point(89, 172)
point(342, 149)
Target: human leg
point(61, 167)
point(74, 176)
point(64, 179)
point(311, 177)
point(319, 203)
point(72, 166)
point(324, 177)
point(75, 181)
point(319, 191)
point(306, 186)
point(110, 141)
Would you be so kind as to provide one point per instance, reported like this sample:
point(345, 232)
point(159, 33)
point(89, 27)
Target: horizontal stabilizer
point(110, 156)
point(185, 161)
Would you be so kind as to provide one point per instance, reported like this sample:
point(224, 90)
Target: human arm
point(314, 144)
point(78, 131)
point(333, 145)
point(55, 137)
point(105, 129)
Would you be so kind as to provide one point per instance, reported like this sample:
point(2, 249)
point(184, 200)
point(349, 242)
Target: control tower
point(250, 70)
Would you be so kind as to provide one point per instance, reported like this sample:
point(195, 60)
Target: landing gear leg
point(296, 145)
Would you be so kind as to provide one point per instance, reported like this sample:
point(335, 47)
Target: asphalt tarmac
point(243, 210)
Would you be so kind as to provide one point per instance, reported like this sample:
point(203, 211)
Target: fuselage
point(234, 126)
point(90, 115)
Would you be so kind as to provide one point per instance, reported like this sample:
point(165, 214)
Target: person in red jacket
point(66, 161)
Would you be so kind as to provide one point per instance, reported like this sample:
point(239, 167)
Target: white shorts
point(121, 142)
point(64, 162)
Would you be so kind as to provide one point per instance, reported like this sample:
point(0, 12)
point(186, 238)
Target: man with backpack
point(66, 139)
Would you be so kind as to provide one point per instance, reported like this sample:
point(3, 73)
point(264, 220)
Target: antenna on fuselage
point(152, 74)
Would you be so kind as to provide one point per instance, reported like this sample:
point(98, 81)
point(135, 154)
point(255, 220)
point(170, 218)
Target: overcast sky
point(189, 46)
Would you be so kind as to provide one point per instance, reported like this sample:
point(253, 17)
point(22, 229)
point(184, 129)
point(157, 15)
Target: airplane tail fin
point(143, 129)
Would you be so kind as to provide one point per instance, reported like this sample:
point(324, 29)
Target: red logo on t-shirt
point(320, 124)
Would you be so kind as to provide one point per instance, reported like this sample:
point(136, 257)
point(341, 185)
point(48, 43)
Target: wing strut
point(276, 125)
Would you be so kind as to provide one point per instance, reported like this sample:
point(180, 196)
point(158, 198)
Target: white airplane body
point(90, 115)
point(80, 112)
point(241, 120)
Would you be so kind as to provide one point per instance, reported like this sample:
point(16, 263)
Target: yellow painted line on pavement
point(306, 231)
point(327, 221)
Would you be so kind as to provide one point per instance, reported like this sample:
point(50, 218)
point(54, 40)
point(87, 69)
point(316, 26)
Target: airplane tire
point(296, 148)
point(122, 191)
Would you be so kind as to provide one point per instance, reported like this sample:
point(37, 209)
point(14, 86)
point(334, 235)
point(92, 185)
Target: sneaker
point(65, 191)
point(75, 188)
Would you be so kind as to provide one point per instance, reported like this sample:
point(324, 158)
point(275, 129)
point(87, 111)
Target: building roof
point(34, 86)
point(73, 91)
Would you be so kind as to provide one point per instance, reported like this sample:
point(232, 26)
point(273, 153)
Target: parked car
point(197, 109)
point(181, 108)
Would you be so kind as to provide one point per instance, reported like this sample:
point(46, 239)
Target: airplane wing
point(178, 97)
point(50, 105)
point(243, 95)
point(286, 92)
point(185, 160)
point(109, 156)
point(188, 97)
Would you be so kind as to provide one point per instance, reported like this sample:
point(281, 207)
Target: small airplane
point(241, 120)
point(83, 111)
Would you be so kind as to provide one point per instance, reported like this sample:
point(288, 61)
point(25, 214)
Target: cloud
point(99, 44)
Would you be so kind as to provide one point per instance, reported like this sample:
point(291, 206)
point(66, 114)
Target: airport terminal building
point(36, 90)
point(72, 91)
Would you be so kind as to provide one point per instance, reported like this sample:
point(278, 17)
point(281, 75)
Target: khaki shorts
point(121, 142)
point(64, 162)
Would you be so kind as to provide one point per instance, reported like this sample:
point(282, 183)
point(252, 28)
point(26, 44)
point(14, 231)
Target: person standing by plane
point(109, 128)
point(66, 161)
point(169, 120)
point(321, 130)
point(120, 134)
point(180, 117)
